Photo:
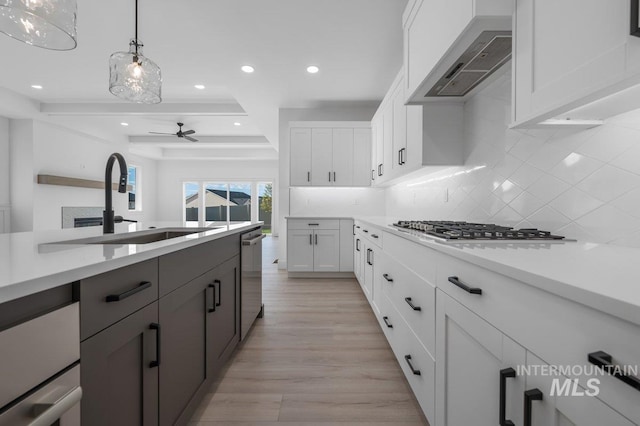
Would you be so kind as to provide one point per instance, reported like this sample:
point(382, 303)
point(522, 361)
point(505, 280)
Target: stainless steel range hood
point(483, 57)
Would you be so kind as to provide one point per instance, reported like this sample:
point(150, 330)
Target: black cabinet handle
point(529, 396)
point(310, 239)
point(316, 236)
point(387, 277)
point(386, 321)
point(118, 297)
point(379, 169)
point(313, 224)
point(413, 370)
point(334, 176)
point(366, 230)
point(456, 281)
point(213, 306)
point(329, 176)
point(354, 229)
point(415, 308)
point(308, 176)
point(373, 175)
point(155, 326)
point(358, 226)
point(358, 244)
point(605, 361)
point(400, 157)
point(219, 301)
point(374, 236)
point(370, 257)
point(504, 374)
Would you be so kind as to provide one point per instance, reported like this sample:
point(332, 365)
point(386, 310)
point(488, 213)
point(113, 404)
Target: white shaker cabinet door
point(470, 355)
point(343, 157)
point(300, 170)
point(322, 157)
point(300, 250)
point(326, 256)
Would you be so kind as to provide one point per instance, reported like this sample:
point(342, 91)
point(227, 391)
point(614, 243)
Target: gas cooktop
point(473, 231)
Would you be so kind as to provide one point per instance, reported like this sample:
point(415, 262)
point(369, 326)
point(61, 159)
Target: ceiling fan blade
point(189, 138)
point(188, 132)
point(160, 133)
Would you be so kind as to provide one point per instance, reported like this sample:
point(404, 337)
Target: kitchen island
point(157, 319)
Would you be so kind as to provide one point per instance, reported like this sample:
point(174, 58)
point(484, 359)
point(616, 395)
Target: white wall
point(336, 112)
point(173, 173)
point(4, 162)
point(43, 148)
point(581, 184)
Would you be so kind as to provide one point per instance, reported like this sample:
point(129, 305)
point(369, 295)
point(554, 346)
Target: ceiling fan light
point(134, 77)
point(50, 24)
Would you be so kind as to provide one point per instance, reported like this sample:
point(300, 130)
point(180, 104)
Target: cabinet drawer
point(370, 234)
point(559, 331)
point(180, 267)
point(421, 260)
point(109, 297)
point(405, 343)
point(404, 288)
point(313, 224)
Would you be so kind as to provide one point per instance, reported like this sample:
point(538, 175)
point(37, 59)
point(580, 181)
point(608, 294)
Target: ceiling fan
point(180, 133)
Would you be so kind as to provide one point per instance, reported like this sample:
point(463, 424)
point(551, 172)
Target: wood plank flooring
point(318, 357)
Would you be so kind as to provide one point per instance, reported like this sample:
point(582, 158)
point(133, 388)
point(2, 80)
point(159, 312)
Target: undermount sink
point(140, 237)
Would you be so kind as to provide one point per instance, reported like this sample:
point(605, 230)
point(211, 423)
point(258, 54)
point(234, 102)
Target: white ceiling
point(356, 43)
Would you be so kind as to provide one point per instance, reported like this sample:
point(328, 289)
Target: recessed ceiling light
point(237, 123)
point(36, 86)
point(199, 86)
point(248, 69)
point(312, 69)
point(124, 124)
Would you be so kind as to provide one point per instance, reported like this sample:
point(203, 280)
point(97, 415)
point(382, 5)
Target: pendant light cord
point(136, 27)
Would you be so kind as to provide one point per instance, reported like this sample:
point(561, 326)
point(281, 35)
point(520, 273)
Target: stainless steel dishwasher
point(40, 360)
point(251, 306)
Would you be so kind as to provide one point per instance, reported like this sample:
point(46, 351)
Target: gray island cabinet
point(155, 334)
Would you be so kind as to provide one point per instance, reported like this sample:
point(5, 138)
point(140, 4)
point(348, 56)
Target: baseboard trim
point(321, 275)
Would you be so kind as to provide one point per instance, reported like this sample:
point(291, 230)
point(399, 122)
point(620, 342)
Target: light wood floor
point(318, 357)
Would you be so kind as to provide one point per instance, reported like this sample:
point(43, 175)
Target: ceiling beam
point(242, 141)
point(186, 109)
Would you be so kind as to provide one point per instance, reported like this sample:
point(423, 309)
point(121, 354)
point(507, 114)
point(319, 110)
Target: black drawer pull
point(386, 321)
point(213, 306)
point(314, 224)
point(529, 396)
point(219, 301)
point(155, 326)
point(357, 244)
point(413, 370)
point(366, 230)
point(118, 297)
point(415, 308)
point(456, 281)
point(387, 277)
point(504, 374)
point(374, 236)
point(605, 361)
point(358, 226)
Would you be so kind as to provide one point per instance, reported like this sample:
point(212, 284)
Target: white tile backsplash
point(581, 184)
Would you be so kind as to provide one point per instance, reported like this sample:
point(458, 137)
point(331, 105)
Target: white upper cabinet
point(321, 157)
point(323, 154)
point(568, 54)
point(300, 172)
point(408, 137)
point(437, 32)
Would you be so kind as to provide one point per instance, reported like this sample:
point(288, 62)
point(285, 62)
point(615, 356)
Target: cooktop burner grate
point(474, 231)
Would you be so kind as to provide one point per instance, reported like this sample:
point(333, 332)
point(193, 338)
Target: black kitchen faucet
point(108, 218)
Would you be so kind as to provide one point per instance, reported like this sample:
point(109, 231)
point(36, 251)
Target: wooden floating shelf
point(75, 182)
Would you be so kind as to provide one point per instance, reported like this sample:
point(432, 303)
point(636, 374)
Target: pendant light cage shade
point(50, 24)
point(134, 77)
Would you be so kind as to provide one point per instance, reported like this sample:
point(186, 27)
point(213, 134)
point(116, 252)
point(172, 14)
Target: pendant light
point(50, 24)
point(134, 77)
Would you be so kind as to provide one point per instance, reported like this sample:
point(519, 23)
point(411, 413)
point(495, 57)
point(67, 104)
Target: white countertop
point(318, 217)
point(29, 263)
point(603, 276)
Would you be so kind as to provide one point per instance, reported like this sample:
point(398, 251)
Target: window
point(191, 203)
point(265, 210)
point(216, 202)
point(134, 194)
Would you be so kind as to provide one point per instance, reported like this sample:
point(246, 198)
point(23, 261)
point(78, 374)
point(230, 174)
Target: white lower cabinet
point(566, 405)
point(471, 356)
point(300, 250)
point(326, 250)
point(319, 245)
